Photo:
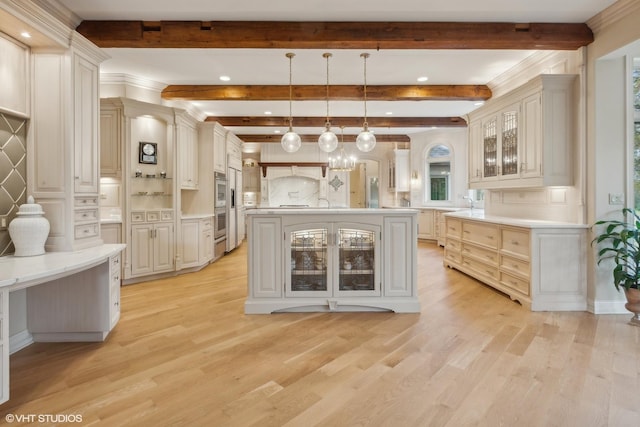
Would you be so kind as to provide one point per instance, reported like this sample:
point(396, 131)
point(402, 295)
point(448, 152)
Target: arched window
point(437, 173)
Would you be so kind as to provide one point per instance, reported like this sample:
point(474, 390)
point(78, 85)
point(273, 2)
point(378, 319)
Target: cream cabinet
point(197, 242)
point(219, 149)
point(110, 141)
point(152, 248)
point(63, 158)
point(526, 137)
point(206, 243)
point(187, 141)
point(540, 264)
point(332, 260)
point(312, 260)
point(426, 224)
point(190, 243)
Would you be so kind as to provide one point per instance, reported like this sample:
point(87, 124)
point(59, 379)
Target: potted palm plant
point(620, 241)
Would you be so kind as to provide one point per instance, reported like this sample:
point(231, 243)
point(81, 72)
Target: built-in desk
point(71, 296)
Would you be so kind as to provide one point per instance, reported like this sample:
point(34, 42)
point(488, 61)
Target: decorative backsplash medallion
point(13, 173)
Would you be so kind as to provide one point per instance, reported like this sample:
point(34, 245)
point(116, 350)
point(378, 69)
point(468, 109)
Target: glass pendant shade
point(341, 161)
point(366, 140)
point(328, 141)
point(291, 142)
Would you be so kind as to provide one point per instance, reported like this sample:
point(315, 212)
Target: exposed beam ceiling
point(377, 122)
point(314, 138)
point(336, 35)
point(319, 92)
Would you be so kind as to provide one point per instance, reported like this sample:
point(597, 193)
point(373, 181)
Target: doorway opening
point(364, 185)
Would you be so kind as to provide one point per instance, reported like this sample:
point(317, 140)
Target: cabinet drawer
point(515, 265)
point(515, 241)
point(86, 201)
point(206, 224)
point(452, 256)
point(454, 228)
point(481, 268)
point(515, 283)
point(85, 231)
point(153, 216)
point(138, 216)
point(453, 245)
point(85, 215)
point(166, 215)
point(481, 233)
point(480, 254)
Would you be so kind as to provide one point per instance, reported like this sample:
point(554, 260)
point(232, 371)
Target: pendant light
point(291, 141)
point(342, 162)
point(366, 140)
point(328, 141)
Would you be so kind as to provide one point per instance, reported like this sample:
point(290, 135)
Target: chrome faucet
point(472, 203)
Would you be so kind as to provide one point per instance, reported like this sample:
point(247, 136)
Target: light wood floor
point(184, 354)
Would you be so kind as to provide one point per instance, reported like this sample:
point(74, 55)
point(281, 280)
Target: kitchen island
point(320, 259)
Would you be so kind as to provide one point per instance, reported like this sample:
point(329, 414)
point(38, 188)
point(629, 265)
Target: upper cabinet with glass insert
point(525, 138)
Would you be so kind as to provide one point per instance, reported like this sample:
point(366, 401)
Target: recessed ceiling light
point(479, 103)
point(267, 113)
point(25, 34)
point(225, 78)
point(389, 113)
point(423, 78)
point(276, 131)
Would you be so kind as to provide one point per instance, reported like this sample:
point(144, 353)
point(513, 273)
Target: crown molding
point(613, 14)
point(128, 79)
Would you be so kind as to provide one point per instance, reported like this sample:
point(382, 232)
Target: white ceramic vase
point(29, 229)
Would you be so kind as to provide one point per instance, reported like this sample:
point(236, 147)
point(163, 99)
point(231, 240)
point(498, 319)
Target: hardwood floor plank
point(185, 354)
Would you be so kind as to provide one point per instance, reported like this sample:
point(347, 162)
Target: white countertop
point(329, 211)
point(478, 214)
point(21, 272)
point(196, 216)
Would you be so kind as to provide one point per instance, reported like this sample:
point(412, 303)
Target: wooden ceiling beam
point(336, 35)
point(273, 138)
point(373, 122)
point(319, 92)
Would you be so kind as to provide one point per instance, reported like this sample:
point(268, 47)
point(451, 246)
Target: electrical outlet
point(3, 221)
point(616, 199)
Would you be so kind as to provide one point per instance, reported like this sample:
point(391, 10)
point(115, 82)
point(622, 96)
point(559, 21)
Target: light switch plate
point(3, 221)
point(616, 199)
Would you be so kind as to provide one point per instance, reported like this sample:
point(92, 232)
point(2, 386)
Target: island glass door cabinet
point(336, 259)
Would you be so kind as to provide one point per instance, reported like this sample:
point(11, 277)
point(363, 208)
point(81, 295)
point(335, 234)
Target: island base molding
point(330, 306)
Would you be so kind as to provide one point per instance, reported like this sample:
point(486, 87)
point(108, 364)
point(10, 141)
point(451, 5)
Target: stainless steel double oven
point(220, 214)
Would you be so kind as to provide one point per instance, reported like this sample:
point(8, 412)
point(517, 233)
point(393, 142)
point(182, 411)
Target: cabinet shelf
point(152, 177)
point(352, 272)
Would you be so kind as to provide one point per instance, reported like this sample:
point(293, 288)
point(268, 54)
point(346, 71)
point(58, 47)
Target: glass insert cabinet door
point(332, 260)
point(307, 253)
point(358, 260)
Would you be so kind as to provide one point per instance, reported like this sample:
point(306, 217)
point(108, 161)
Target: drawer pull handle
point(490, 237)
point(489, 272)
point(515, 242)
point(466, 231)
point(515, 266)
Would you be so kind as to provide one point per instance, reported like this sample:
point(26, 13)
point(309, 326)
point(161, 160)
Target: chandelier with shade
point(341, 161)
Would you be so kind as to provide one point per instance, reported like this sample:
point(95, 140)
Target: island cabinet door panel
point(307, 251)
point(265, 257)
point(398, 242)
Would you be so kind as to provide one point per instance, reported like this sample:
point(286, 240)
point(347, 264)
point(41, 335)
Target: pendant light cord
point(290, 56)
point(327, 56)
point(365, 56)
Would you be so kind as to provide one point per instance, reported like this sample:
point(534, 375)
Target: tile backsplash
point(13, 174)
